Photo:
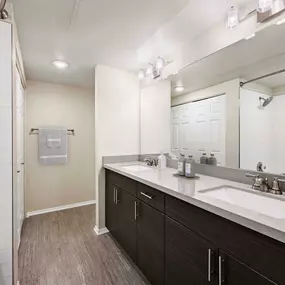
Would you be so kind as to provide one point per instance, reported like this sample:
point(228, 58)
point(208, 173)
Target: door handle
point(114, 193)
point(221, 271)
point(117, 200)
point(18, 171)
point(210, 270)
point(146, 195)
point(22, 163)
point(136, 210)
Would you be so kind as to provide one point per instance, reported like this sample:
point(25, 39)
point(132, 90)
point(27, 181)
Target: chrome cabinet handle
point(114, 190)
point(146, 195)
point(221, 277)
point(209, 264)
point(136, 204)
point(117, 196)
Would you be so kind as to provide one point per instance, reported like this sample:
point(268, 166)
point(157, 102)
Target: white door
point(20, 157)
point(175, 130)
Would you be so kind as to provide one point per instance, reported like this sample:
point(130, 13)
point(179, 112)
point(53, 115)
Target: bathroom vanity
point(178, 235)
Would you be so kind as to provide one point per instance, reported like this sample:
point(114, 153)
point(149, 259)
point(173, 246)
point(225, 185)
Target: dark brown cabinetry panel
point(151, 196)
point(150, 243)
point(193, 250)
point(257, 251)
point(233, 272)
point(122, 182)
point(126, 228)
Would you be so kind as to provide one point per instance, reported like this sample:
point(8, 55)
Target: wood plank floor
point(61, 248)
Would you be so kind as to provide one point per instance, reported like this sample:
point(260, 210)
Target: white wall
point(231, 89)
point(5, 154)
point(261, 132)
point(255, 131)
point(60, 106)
point(155, 118)
point(117, 124)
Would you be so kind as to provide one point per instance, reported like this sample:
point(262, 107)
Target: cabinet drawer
point(255, 250)
point(151, 196)
point(122, 182)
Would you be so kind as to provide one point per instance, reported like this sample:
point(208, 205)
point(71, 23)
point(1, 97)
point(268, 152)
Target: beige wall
point(60, 106)
point(231, 89)
point(117, 124)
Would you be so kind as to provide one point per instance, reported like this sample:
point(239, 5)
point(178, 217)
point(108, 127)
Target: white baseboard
point(55, 209)
point(99, 232)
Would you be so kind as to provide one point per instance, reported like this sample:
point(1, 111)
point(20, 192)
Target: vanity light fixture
point(60, 64)
point(233, 17)
point(141, 74)
point(264, 5)
point(150, 69)
point(179, 88)
point(280, 22)
point(160, 63)
point(250, 36)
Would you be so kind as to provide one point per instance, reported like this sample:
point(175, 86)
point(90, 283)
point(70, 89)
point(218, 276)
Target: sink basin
point(258, 202)
point(136, 168)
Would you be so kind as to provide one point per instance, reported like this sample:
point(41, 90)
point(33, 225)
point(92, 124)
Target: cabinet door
point(233, 272)
point(111, 209)
point(188, 256)
point(150, 243)
point(125, 230)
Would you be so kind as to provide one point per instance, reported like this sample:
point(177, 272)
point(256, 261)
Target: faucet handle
point(275, 186)
point(253, 175)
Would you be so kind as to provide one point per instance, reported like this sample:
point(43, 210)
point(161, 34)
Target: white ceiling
point(100, 32)
point(246, 59)
point(120, 33)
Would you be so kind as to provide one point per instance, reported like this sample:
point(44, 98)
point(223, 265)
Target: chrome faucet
point(259, 183)
point(151, 161)
point(262, 184)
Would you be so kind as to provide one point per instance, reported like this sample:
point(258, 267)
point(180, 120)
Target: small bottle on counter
point(181, 165)
point(204, 159)
point(190, 167)
point(212, 160)
point(161, 161)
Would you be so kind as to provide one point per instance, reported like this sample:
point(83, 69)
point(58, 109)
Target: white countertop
point(189, 190)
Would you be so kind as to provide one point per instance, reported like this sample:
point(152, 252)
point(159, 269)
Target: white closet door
point(175, 130)
point(184, 128)
point(217, 128)
point(20, 156)
point(201, 127)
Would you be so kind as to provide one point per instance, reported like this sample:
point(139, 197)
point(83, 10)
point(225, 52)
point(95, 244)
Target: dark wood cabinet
point(150, 243)
point(182, 246)
point(174, 242)
point(233, 272)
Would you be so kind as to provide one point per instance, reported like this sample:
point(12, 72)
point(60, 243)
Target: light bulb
point(160, 63)
point(179, 88)
point(264, 5)
point(60, 64)
point(141, 74)
point(233, 17)
point(150, 69)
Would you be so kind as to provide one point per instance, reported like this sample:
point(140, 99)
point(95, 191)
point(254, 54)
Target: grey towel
point(52, 146)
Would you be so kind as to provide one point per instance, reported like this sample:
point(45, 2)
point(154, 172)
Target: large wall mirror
point(231, 105)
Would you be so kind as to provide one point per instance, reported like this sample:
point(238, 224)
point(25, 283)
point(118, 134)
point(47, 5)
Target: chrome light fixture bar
point(153, 70)
point(3, 12)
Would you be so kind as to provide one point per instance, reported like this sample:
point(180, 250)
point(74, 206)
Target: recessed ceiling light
point(280, 22)
point(179, 88)
point(250, 36)
point(60, 64)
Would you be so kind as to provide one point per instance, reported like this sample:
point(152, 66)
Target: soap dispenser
point(190, 167)
point(162, 161)
point(181, 165)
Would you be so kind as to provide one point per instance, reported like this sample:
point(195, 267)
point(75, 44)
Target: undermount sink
point(136, 168)
point(254, 201)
